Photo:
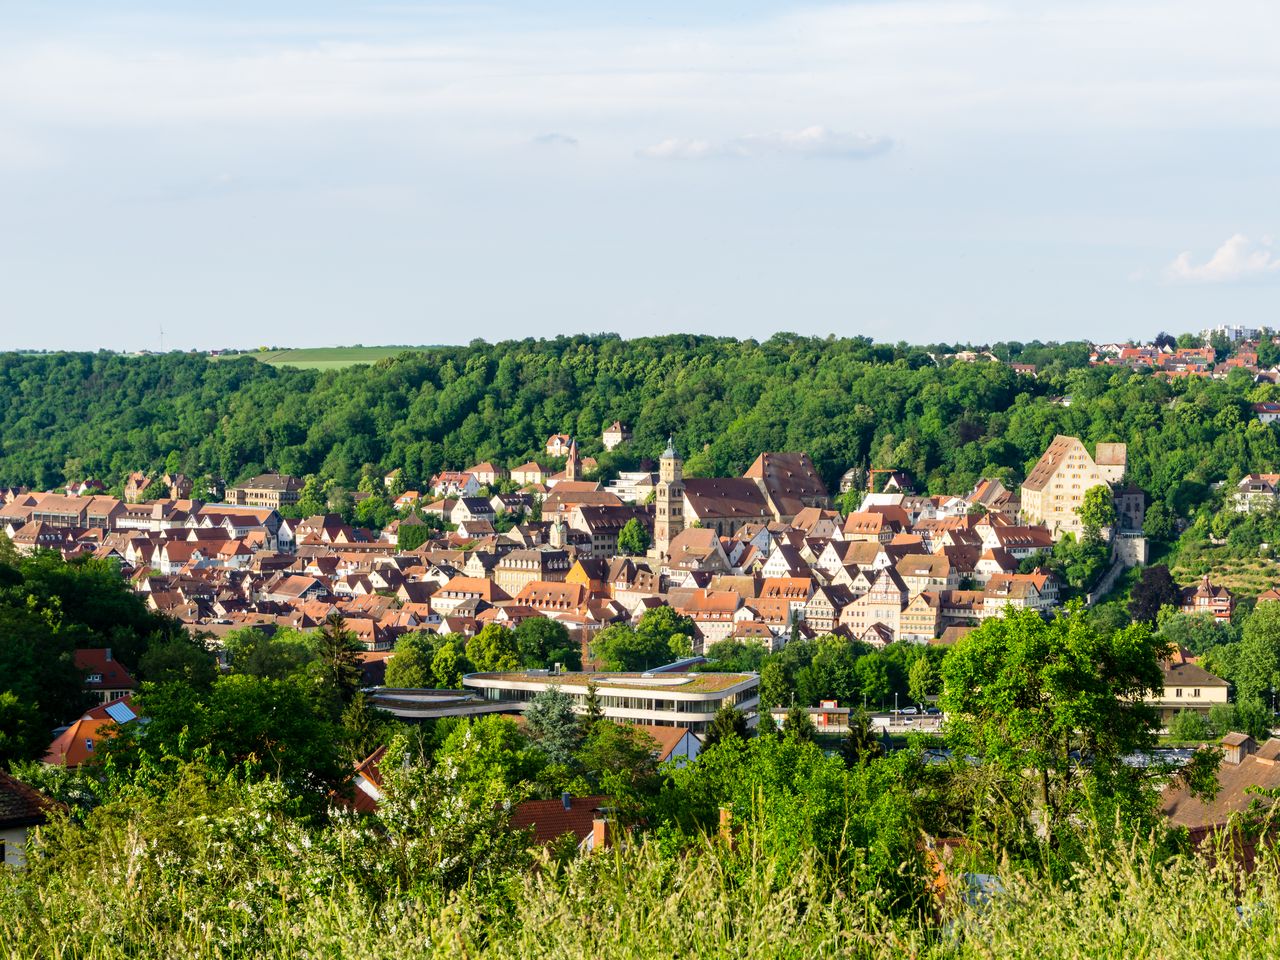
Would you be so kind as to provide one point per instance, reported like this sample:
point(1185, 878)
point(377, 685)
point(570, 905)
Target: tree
point(922, 680)
point(798, 724)
point(553, 725)
point(491, 750)
point(633, 538)
point(410, 665)
point(22, 734)
point(593, 712)
point(338, 657)
point(252, 652)
point(860, 743)
point(1052, 703)
point(1158, 523)
point(1246, 716)
point(766, 726)
point(1097, 510)
point(364, 728)
point(256, 727)
point(1257, 665)
point(311, 500)
point(449, 665)
point(493, 649)
point(621, 647)
point(619, 759)
point(664, 625)
point(1155, 589)
point(729, 721)
point(1189, 726)
point(410, 536)
point(542, 642)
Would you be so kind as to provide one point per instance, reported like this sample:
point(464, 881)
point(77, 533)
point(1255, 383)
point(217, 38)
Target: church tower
point(668, 517)
point(573, 465)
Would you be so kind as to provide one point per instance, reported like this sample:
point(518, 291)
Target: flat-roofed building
point(659, 699)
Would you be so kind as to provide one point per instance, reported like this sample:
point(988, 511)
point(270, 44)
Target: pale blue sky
point(323, 173)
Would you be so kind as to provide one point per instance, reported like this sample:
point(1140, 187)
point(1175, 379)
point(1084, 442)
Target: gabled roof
point(99, 662)
point(789, 479)
point(729, 498)
point(548, 819)
point(21, 805)
point(1053, 458)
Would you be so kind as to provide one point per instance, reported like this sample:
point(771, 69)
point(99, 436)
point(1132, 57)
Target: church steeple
point(572, 465)
point(668, 500)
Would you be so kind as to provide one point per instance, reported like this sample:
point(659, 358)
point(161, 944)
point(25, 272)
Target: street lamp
point(895, 702)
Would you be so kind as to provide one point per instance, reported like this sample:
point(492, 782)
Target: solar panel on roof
point(120, 712)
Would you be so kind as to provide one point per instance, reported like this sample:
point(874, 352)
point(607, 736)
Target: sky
point(283, 173)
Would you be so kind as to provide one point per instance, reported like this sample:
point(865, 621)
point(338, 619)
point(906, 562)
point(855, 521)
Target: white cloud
point(1239, 258)
point(813, 141)
point(555, 140)
point(676, 149)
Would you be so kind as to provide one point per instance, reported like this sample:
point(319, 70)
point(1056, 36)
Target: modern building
point(659, 699)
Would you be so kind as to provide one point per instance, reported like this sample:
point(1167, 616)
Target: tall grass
point(639, 902)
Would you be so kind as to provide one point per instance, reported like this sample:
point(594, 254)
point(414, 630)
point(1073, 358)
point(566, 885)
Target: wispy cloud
point(1239, 258)
point(555, 140)
point(813, 141)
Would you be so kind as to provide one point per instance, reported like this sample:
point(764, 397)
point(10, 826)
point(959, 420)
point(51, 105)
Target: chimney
point(567, 800)
point(108, 654)
point(601, 835)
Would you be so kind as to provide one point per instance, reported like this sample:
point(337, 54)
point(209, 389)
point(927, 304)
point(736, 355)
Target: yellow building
point(1056, 485)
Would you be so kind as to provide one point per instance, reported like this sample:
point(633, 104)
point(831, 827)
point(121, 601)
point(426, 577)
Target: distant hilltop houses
point(1214, 352)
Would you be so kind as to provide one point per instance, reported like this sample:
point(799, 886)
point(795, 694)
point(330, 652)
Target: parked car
point(909, 711)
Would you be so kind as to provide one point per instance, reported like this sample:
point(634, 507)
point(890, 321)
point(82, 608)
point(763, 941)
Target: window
point(88, 744)
point(1196, 692)
point(1178, 692)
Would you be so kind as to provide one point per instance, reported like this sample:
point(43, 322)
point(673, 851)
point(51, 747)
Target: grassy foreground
point(637, 903)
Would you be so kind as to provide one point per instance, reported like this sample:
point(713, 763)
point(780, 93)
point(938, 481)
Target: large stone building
point(1056, 486)
point(274, 490)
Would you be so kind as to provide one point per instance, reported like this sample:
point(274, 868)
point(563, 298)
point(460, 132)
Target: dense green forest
point(847, 402)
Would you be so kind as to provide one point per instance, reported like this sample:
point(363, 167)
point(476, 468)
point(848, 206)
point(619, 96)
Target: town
point(584, 635)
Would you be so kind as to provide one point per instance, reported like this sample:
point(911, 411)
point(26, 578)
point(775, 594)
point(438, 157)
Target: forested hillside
point(847, 402)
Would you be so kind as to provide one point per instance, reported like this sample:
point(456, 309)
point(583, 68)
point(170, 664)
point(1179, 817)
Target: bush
point(1188, 726)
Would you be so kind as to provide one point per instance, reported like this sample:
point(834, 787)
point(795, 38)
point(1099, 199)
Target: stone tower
point(668, 517)
point(574, 464)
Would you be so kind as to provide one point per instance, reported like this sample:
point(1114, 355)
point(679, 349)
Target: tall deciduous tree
point(410, 665)
point(493, 649)
point(1052, 701)
point(1155, 589)
point(1096, 511)
point(633, 539)
point(1257, 666)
